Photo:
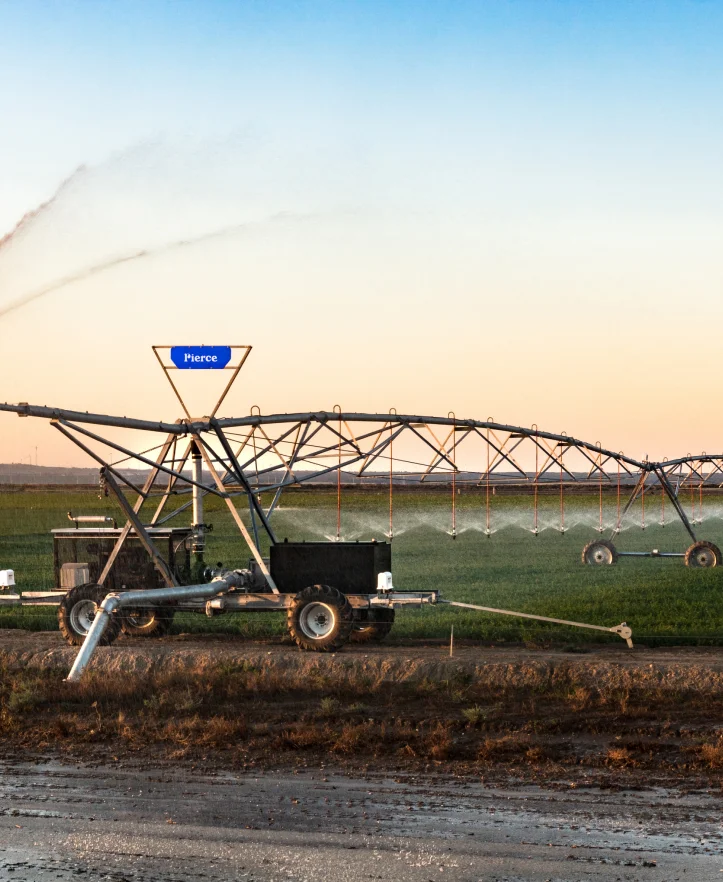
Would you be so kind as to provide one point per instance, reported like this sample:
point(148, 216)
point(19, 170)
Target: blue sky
point(624, 88)
point(517, 189)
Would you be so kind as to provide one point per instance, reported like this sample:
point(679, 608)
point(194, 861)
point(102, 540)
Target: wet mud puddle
point(62, 822)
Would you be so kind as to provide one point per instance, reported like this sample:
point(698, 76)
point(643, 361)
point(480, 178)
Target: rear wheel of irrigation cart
point(147, 622)
point(703, 554)
point(320, 619)
point(374, 628)
point(77, 611)
point(599, 553)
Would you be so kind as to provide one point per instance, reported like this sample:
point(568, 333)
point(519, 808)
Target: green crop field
point(663, 601)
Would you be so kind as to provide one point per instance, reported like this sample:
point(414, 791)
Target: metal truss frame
point(260, 455)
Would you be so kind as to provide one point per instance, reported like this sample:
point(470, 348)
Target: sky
point(508, 209)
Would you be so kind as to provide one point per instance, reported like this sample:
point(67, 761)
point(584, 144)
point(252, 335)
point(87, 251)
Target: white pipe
point(198, 540)
point(197, 467)
point(132, 598)
point(90, 519)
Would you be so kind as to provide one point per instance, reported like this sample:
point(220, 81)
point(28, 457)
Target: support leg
point(140, 530)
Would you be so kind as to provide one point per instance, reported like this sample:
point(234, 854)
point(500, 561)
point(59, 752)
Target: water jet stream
point(94, 270)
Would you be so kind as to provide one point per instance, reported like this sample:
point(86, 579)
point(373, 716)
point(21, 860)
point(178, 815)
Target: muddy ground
point(220, 758)
point(604, 715)
point(163, 824)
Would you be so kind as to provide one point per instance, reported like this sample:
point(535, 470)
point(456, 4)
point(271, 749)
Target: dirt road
point(159, 825)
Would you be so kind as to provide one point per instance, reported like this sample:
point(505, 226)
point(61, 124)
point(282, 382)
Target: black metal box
point(133, 568)
point(351, 567)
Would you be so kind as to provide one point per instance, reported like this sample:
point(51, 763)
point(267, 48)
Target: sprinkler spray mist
point(94, 270)
point(88, 182)
point(27, 220)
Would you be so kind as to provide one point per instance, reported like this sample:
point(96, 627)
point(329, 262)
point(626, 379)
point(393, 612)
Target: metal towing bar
point(229, 580)
point(622, 630)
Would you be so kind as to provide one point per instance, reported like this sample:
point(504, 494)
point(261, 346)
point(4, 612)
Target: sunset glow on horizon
point(509, 209)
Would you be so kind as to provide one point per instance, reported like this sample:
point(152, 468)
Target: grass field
point(662, 600)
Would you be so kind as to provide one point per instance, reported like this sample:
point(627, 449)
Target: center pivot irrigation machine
point(133, 578)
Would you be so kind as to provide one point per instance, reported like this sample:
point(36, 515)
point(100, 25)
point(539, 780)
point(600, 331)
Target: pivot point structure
point(332, 591)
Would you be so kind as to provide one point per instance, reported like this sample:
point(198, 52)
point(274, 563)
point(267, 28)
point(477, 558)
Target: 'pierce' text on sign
point(200, 357)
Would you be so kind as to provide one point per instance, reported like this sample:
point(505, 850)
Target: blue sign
point(200, 357)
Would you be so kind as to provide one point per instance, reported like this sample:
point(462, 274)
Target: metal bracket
point(235, 368)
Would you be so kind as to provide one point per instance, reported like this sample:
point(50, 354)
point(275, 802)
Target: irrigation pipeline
point(391, 484)
point(617, 520)
point(662, 508)
point(642, 501)
point(454, 474)
point(600, 484)
point(487, 489)
point(535, 527)
point(337, 409)
point(488, 430)
point(562, 496)
point(192, 427)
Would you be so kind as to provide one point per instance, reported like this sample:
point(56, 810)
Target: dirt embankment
point(608, 715)
point(684, 668)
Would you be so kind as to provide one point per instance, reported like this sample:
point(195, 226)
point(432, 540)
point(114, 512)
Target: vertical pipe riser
point(199, 538)
point(92, 639)
point(115, 602)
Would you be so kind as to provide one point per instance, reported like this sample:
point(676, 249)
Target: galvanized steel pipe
point(197, 466)
point(152, 596)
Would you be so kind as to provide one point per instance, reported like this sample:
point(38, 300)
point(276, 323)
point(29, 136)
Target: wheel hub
point(317, 620)
point(82, 615)
point(705, 558)
point(599, 554)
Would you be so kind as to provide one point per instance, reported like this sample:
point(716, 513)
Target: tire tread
point(89, 591)
point(604, 542)
point(321, 594)
point(703, 543)
point(374, 630)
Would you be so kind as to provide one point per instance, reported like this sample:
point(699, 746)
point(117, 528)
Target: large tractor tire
point(147, 621)
point(374, 628)
point(320, 619)
point(599, 552)
point(77, 611)
point(703, 554)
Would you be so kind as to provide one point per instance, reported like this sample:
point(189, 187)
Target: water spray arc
point(27, 221)
point(131, 257)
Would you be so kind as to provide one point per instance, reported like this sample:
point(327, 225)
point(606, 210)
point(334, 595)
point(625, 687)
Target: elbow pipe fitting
point(113, 602)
